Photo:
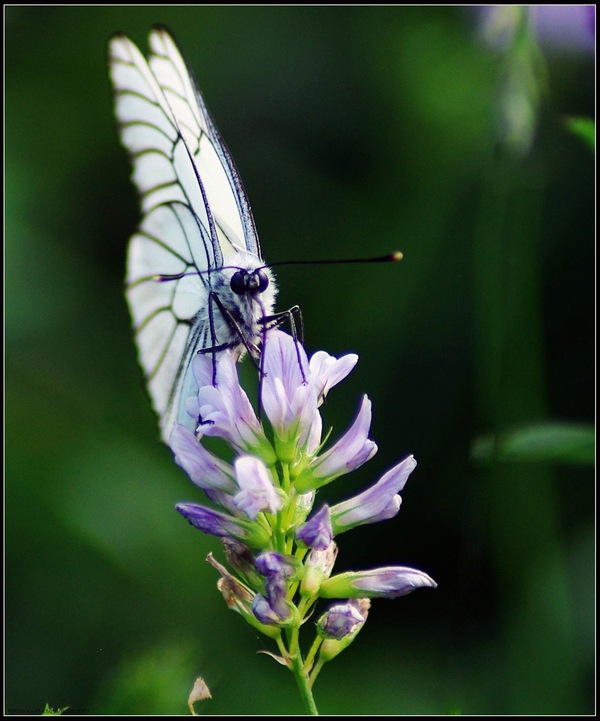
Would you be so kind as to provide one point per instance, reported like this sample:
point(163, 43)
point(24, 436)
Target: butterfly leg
point(234, 326)
point(293, 316)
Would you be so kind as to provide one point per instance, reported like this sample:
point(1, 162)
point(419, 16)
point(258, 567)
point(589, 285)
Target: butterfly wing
point(225, 192)
point(195, 214)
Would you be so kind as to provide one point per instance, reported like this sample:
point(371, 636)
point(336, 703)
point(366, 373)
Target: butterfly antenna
point(394, 257)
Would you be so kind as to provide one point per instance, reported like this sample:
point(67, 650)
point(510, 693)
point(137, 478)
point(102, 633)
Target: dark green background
point(357, 131)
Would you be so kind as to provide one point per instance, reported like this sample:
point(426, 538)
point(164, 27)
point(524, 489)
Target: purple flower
point(289, 400)
point(377, 503)
point(343, 619)
point(565, 27)
point(327, 371)
point(273, 607)
point(224, 409)
point(257, 492)
point(266, 613)
point(272, 563)
point(557, 27)
point(293, 389)
point(216, 523)
point(267, 493)
point(205, 470)
point(349, 453)
point(317, 532)
point(388, 582)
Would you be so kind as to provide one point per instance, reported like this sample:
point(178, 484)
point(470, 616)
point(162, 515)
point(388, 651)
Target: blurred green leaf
point(157, 678)
point(546, 442)
point(584, 128)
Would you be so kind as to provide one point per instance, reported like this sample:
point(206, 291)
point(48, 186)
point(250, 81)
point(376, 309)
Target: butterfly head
point(247, 280)
point(251, 282)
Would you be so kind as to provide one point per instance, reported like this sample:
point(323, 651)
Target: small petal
point(317, 532)
point(289, 400)
point(327, 371)
point(276, 588)
point(261, 608)
point(377, 503)
point(388, 582)
point(271, 613)
point(257, 492)
point(224, 409)
point(216, 523)
point(285, 359)
point(204, 469)
point(349, 453)
point(391, 509)
point(313, 437)
point(272, 563)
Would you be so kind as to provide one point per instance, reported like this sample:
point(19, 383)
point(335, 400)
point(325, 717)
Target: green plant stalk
point(303, 684)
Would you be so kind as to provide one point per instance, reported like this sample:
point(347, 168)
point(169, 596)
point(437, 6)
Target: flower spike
point(277, 535)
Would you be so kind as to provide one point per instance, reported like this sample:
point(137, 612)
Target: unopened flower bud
point(377, 503)
point(318, 567)
point(216, 523)
point(340, 626)
point(340, 620)
point(389, 582)
point(317, 532)
point(272, 564)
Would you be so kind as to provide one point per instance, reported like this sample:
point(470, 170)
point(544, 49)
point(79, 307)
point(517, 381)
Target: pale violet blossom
point(224, 410)
point(386, 582)
point(327, 371)
point(317, 531)
point(343, 619)
point(289, 399)
point(204, 468)
point(216, 523)
point(257, 492)
point(349, 453)
point(377, 503)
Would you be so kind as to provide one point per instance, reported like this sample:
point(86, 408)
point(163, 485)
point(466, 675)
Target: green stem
point(303, 685)
point(310, 656)
point(315, 672)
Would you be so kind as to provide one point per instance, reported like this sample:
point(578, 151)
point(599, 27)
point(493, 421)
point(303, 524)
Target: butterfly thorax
point(244, 293)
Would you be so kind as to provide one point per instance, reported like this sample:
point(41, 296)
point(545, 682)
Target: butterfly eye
point(240, 282)
point(263, 280)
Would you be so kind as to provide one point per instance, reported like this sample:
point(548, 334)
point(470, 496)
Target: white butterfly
point(195, 279)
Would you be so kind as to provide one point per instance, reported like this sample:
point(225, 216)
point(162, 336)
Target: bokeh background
point(357, 130)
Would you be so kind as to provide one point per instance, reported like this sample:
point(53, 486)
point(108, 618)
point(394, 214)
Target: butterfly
point(195, 280)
